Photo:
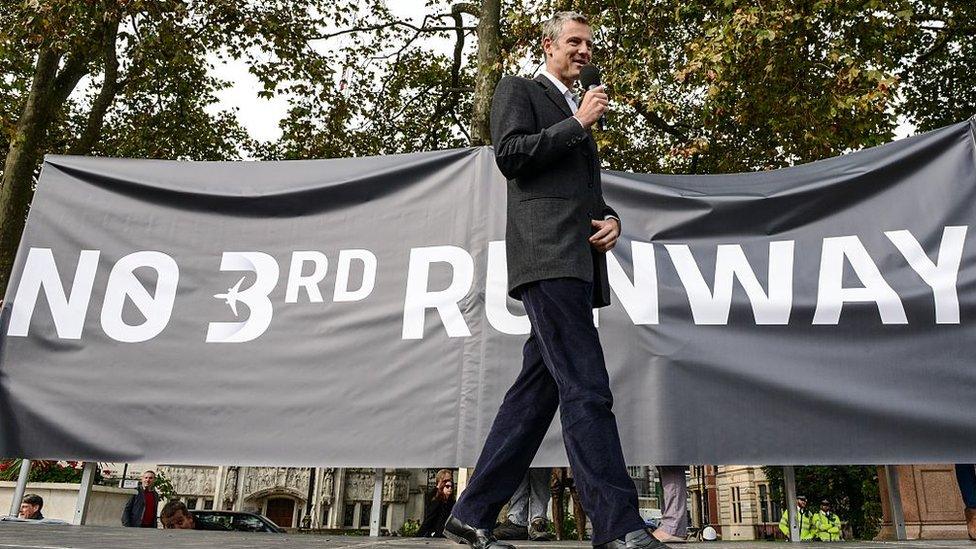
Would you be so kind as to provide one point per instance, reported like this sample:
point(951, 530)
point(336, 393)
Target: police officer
point(827, 523)
point(807, 528)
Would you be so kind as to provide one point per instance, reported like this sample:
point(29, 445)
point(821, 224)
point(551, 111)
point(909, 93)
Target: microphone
point(589, 79)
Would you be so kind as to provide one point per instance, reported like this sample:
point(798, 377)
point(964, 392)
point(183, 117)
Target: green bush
point(409, 529)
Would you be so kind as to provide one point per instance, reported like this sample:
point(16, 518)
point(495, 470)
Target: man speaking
point(559, 229)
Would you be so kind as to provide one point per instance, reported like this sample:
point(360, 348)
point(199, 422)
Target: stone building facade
point(341, 497)
point(736, 500)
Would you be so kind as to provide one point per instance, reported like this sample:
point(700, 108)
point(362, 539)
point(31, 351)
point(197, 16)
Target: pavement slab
point(23, 535)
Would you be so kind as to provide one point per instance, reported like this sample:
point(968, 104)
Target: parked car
point(240, 521)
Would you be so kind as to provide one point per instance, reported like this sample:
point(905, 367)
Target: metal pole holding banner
point(894, 503)
point(375, 511)
point(84, 492)
point(789, 479)
point(25, 465)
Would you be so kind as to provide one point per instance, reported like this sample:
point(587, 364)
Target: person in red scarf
point(140, 510)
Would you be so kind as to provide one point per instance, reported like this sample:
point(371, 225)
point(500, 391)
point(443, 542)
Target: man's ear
point(547, 45)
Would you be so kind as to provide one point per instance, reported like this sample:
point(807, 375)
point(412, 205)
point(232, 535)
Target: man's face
point(801, 503)
point(825, 507)
point(27, 510)
point(567, 54)
point(148, 478)
point(180, 521)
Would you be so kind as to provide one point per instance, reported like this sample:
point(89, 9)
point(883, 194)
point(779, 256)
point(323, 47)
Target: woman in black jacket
point(439, 507)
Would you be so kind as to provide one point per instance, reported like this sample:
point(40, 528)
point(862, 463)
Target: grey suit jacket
point(553, 172)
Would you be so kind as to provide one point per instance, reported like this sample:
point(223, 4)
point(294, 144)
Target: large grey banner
point(353, 311)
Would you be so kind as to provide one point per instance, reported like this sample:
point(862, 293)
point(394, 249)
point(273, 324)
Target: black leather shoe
point(477, 538)
point(510, 530)
point(638, 539)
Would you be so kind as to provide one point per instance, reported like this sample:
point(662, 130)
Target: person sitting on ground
point(176, 516)
point(528, 509)
point(827, 523)
point(30, 507)
point(439, 508)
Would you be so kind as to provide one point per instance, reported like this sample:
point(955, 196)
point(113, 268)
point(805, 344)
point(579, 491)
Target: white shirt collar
point(559, 84)
point(567, 93)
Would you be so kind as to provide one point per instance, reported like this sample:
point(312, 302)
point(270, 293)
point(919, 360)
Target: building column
point(711, 497)
point(338, 499)
point(930, 500)
point(461, 479)
point(317, 498)
point(219, 488)
point(239, 502)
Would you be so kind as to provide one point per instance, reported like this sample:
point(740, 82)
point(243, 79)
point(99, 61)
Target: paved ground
point(48, 536)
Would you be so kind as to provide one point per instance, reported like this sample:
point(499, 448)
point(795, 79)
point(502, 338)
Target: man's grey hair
point(554, 26)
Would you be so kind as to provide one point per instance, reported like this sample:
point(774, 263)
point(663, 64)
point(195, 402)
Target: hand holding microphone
point(594, 105)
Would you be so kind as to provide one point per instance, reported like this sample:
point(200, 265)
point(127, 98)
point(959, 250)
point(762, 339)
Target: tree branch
point(448, 101)
point(74, 68)
point(470, 8)
point(106, 95)
point(384, 26)
point(458, 45)
point(655, 120)
point(460, 126)
point(941, 41)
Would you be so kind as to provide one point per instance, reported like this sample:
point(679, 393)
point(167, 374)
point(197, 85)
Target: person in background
point(30, 507)
point(803, 517)
point(175, 516)
point(528, 509)
point(140, 510)
point(674, 512)
point(827, 523)
point(560, 483)
point(966, 477)
point(439, 507)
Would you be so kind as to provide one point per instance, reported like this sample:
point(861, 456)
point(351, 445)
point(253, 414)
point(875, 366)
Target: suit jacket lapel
point(553, 93)
point(560, 100)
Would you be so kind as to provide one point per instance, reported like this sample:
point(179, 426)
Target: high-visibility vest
point(807, 529)
point(828, 526)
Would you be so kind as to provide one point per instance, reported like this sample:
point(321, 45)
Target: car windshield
point(248, 523)
point(216, 519)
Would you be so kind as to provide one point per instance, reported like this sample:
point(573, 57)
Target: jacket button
point(589, 215)
point(590, 184)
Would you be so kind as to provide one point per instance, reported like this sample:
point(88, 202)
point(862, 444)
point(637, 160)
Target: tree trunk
point(22, 157)
point(489, 70)
point(49, 91)
point(106, 95)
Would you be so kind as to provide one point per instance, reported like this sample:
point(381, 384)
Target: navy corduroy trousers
point(562, 366)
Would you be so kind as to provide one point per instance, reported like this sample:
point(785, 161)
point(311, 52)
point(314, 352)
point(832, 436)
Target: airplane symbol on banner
point(231, 296)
